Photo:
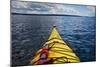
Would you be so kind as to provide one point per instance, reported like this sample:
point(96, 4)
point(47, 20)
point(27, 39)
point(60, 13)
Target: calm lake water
point(29, 33)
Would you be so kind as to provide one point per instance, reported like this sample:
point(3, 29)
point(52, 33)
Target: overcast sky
point(50, 8)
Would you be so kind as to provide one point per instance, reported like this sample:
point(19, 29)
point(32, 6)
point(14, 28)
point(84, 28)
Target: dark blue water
point(29, 33)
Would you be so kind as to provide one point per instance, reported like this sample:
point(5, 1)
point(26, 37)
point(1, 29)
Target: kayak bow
point(59, 51)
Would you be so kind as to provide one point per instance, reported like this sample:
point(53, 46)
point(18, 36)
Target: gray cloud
point(45, 8)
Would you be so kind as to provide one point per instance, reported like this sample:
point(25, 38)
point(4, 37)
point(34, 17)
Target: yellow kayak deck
point(59, 51)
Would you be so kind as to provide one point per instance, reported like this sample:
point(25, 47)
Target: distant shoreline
point(50, 14)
